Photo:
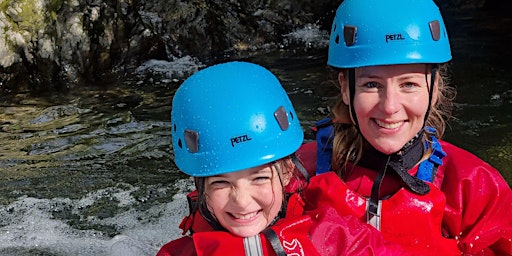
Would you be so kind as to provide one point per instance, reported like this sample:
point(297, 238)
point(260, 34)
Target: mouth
point(244, 216)
point(388, 125)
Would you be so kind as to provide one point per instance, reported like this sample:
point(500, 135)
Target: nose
point(240, 196)
point(390, 101)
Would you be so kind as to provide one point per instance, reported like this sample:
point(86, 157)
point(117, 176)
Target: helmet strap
point(300, 167)
point(352, 92)
point(433, 74)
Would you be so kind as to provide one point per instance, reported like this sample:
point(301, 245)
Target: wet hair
point(349, 142)
point(283, 166)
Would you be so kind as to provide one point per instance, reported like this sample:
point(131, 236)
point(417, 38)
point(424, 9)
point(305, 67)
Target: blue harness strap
point(428, 167)
point(324, 139)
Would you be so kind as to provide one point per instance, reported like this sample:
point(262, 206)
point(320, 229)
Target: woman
point(235, 131)
point(424, 193)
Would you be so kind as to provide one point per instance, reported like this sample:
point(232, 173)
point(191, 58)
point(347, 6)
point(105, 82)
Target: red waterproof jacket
point(321, 231)
point(469, 203)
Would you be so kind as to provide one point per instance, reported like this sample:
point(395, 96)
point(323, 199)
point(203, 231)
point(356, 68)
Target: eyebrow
point(401, 78)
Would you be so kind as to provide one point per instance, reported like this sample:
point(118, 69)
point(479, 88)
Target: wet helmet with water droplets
point(374, 32)
point(230, 117)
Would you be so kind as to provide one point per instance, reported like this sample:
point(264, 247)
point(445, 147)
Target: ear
point(344, 88)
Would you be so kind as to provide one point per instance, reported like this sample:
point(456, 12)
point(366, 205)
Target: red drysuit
point(321, 231)
point(469, 203)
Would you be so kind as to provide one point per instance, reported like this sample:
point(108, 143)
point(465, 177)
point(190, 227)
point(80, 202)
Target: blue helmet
point(230, 117)
point(378, 32)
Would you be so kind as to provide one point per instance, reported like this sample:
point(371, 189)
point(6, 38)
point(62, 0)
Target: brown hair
point(348, 141)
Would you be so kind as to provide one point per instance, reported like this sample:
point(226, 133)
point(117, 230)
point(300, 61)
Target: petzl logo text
point(394, 37)
point(239, 139)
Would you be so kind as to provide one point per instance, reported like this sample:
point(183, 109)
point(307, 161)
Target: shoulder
point(462, 158)
point(460, 166)
point(457, 152)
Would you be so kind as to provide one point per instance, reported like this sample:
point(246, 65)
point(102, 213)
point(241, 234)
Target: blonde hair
point(348, 141)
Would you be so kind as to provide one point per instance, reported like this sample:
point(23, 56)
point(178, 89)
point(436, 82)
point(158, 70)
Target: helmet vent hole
point(349, 34)
point(291, 115)
point(192, 140)
point(174, 127)
point(435, 30)
point(282, 118)
point(180, 144)
point(337, 39)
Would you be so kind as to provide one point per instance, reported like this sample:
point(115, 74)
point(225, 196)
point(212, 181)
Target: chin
point(246, 233)
point(388, 150)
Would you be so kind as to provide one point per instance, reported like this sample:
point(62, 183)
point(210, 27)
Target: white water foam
point(310, 35)
point(181, 67)
point(28, 227)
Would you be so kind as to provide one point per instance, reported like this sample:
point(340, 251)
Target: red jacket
point(476, 204)
point(321, 231)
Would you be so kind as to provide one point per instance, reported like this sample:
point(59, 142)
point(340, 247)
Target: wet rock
point(59, 45)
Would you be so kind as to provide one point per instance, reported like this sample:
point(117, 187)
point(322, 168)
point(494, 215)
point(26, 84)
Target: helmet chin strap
point(433, 74)
point(352, 92)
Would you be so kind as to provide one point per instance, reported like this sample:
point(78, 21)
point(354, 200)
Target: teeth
point(388, 125)
point(244, 216)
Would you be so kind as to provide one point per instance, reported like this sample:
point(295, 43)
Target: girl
point(424, 193)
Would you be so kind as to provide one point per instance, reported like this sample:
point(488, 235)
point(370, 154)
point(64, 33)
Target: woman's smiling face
point(390, 103)
point(245, 202)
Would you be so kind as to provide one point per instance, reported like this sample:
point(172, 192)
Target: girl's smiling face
point(245, 202)
point(390, 103)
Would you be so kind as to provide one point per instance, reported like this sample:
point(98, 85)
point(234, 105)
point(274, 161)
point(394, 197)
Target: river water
point(90, 171)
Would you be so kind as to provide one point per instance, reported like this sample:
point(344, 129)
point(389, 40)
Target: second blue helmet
point(230, 117)
point(386, 32)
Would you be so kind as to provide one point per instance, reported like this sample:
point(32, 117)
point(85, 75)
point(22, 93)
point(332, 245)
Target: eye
point(371, 85)
point(262, 179)
point(409, 85)
point(218, 182)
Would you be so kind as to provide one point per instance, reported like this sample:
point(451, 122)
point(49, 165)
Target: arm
point(478, 204)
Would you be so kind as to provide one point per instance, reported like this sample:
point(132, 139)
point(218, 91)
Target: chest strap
point(271, 235)
point(428, 167)
point(252, 246)
point(324, 137)
point(375, 217)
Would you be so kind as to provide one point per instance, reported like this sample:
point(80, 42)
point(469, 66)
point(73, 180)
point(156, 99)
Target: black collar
point(400, 162)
